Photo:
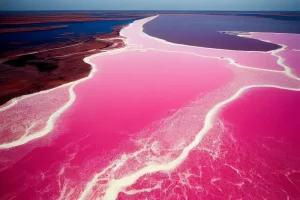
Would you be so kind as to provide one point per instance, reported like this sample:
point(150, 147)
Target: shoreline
point(110, 182)
point(116, 186)
point(73, 83)
point(72, 96)
point(22, 72)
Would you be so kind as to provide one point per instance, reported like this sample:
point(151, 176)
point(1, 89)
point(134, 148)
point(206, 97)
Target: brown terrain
point(36, 68)
point(27, 29)
point(24, 72)
point(31, 69)
point(47, 18)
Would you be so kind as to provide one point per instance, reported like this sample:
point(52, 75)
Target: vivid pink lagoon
point(157, 120)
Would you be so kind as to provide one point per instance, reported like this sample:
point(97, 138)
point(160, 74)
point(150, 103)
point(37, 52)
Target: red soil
point(28, 29)
point(51, 67)
point(47, 18)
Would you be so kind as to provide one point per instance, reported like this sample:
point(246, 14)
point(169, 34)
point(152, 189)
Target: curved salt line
point(54, 116)
point(117, 185)
point(142, 33)
point(50, 123)
point(231, 61)
point(287, 70)
point(280, 60)
point(14, 101)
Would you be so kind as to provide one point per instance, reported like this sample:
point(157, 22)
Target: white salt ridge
point(117, 185)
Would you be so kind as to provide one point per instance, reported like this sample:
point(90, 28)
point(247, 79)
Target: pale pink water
point(290, 40)
point(37, 108)
point(291, 54)
point(292, 58)
point(145, 107)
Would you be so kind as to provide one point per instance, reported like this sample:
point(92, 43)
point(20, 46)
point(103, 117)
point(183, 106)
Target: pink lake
point(144, 108)
point(118, 101)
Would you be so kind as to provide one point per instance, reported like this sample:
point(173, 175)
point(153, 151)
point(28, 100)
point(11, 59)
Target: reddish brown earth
point(28, 29)
point(47, 18)
point(26, 72)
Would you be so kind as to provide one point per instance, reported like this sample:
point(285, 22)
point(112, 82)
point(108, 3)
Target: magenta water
point(157, 120)
point(117, 102)
point(252, 154)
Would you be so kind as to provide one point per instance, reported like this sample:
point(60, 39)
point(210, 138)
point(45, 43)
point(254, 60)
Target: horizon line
point(154, 10)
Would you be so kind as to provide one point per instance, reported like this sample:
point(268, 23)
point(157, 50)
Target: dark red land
point(48, 18)
point(28, 29)
point(51, 67)
point(23, 72)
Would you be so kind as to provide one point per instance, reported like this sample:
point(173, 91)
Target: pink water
point(291, 54)
point(142, 107)
point(253, 154)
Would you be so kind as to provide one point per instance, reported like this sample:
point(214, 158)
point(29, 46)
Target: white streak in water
point(14, 101)
point(118, 185)
point(51, 121)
